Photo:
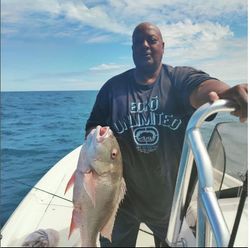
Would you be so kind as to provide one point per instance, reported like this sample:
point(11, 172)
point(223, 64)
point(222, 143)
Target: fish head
point(103, 151)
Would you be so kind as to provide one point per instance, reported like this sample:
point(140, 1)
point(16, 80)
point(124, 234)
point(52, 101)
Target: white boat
point(46, 206)
point(208, 221)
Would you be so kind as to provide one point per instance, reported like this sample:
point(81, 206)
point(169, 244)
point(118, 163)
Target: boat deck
point(46, 206)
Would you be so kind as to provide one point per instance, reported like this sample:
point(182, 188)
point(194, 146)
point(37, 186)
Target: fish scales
point(99, 186)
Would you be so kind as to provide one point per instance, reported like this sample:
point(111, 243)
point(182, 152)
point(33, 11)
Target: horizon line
point(13, 91)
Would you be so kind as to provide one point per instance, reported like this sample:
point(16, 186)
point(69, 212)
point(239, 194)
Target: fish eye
point(114, 153)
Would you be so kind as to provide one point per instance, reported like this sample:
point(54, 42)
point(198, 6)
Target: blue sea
point(37, 130)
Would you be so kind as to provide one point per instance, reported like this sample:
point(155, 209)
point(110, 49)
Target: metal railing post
point(194, 147)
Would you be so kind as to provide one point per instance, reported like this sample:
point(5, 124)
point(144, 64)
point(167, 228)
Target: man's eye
point(152, 41)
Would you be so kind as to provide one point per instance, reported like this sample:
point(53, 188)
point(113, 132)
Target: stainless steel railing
point(208, 207)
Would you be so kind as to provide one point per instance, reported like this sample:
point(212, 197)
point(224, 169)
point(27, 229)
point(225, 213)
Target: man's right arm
point(212, 90)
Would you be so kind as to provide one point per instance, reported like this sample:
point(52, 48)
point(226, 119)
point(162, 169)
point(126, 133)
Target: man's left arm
point(212, 90)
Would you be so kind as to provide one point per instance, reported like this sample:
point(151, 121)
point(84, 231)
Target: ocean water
point(37, 130)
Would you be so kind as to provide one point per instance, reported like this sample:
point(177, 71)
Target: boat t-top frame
point(208, 206)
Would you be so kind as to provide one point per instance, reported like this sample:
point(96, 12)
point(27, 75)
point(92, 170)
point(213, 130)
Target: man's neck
point(147, 76)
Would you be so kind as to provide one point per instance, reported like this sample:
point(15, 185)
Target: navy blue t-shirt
point(149, 122)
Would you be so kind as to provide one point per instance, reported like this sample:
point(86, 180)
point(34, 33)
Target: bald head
point(146, 25)
point(148, 47)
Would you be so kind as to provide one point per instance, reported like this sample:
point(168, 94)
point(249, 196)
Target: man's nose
point(145, 43)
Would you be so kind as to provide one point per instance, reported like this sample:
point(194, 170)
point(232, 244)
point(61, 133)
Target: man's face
point(148, 47)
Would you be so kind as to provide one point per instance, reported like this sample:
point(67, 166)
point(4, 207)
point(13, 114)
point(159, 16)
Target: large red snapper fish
point(99, 186)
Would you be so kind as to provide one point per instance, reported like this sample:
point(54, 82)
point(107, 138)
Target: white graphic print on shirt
point(143, 120)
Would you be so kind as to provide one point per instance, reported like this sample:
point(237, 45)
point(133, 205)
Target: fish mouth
point(102, 133)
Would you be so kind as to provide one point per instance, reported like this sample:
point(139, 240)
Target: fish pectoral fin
point(90, 185)
point(108, 228)
point(70, 183)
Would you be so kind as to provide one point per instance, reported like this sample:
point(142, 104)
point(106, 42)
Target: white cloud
point(108, 67)
point(119, 16)
point(196, 32)
point(186, 33)
point(95, 17)
point(14, 11)
point(226, 61)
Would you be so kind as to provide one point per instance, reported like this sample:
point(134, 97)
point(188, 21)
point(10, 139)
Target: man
point(148, 109)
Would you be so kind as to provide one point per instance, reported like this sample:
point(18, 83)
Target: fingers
point(213, 96)
point(241, 100)
point(238, 94)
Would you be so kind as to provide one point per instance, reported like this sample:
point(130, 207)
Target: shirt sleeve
point(100, 112)
point(185, 80)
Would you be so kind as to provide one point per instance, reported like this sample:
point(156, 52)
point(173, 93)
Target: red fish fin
point(73, 224)
point(70, 183)
point(90, 185)
point(108, 228)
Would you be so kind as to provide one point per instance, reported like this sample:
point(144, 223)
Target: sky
point(79, 45)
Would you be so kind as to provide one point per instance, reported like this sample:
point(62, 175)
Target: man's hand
point(238, 94)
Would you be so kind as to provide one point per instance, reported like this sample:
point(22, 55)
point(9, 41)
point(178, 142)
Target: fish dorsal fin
point(108, 228)
point(89, 183)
